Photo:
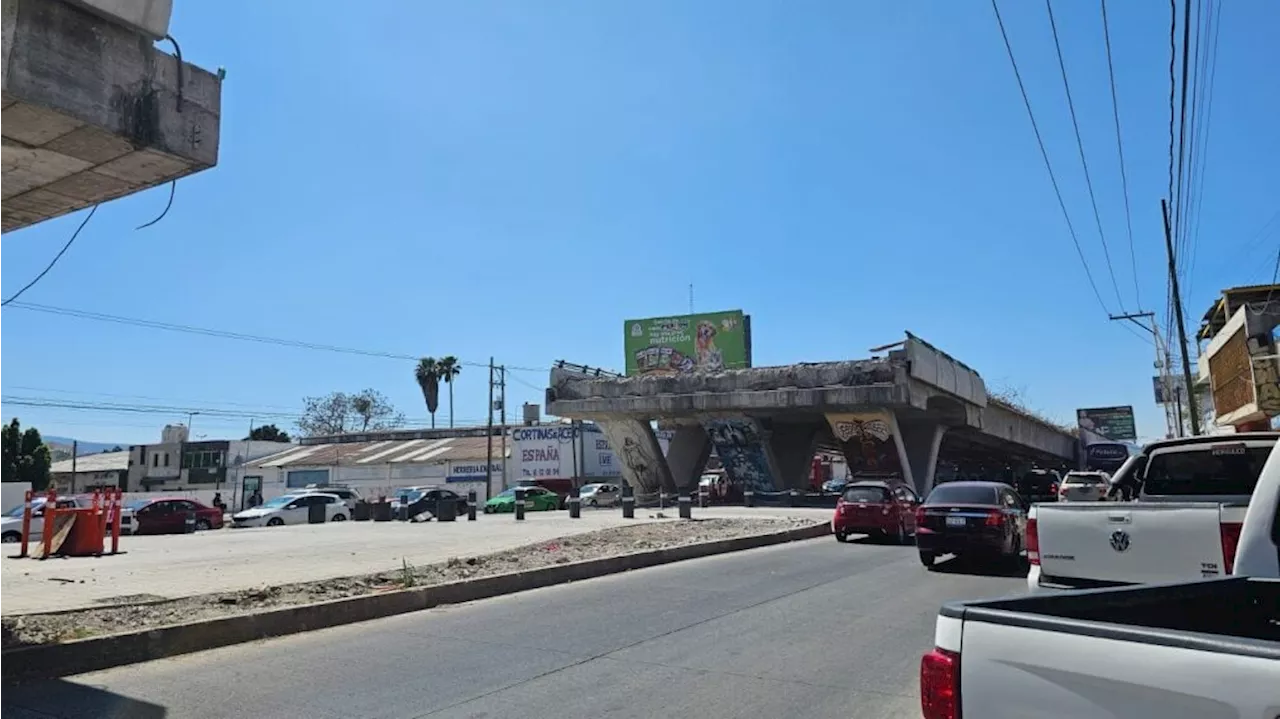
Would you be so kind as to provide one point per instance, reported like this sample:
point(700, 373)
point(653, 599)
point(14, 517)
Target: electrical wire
point(225, 334)
point(1200, 147)
point(56, 257)
point(173, 187)
point(1044, 155)
point(1124, 178)
point(1088, 181)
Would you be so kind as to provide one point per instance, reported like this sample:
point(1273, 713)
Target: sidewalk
point(174, 566)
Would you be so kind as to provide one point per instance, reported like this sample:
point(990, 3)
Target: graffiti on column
point(740, 445)
point(1266, 380)
point(639, 451)
point(867, 438)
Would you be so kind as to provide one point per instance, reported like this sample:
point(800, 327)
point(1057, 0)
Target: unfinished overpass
point(903, 413)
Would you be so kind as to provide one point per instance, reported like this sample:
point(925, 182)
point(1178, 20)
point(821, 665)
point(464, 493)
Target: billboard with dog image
point(710, 342)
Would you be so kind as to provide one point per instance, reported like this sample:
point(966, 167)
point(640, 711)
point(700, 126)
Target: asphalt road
point(812, 629)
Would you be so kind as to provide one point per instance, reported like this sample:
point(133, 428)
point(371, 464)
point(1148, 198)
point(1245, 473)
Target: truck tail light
point(1033, 542)
point(1230, 540)
point(995, 518)
point(919, 516)
point(1054, 489)
point(940, 685)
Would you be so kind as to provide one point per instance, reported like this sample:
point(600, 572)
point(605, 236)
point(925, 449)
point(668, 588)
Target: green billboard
point(708, 342)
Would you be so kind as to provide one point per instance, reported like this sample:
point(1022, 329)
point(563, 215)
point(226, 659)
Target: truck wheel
point(842, 537)
point(926, 558)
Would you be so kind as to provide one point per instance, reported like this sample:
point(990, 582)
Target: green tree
point(427, 374)
point(25, 458)
point(339, 412)
point(35, 460)
point(447, 369)
point(268, 433)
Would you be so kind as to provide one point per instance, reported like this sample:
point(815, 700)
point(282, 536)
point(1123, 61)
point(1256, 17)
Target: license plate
point(955, 521)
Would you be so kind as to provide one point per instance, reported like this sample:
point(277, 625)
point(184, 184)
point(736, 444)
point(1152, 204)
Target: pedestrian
point(217, 502)
point(256, 499)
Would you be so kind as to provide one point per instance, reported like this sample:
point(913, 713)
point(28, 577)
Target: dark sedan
point(981, 519)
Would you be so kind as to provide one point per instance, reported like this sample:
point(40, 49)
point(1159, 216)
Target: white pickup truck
point(1202, 649)
point(1191, 499)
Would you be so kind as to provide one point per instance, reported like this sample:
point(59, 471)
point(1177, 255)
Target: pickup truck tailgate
point(1016, 672)
point(1129, 542)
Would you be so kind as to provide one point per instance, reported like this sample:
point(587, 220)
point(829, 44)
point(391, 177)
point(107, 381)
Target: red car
point(168, 515)
point(876, 508)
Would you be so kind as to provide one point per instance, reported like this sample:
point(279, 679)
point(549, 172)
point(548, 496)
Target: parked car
point(168, 515)
point(980, 519)
point(424, 499)
point(291, 509)
point(560, 487)
point(348, 495)
point(11, 523)
point(1039, 485)
point(1208, 647)
point(1079, 486)
point(1191, 498)
point(536, 499)
point(834, 486)
point(876, 508)
point(600, 494)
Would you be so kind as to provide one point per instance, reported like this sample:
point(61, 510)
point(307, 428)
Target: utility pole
point(502, 408)
point(75, 450)
point(1182, 327)
point(1161, 364)
point(488, 462)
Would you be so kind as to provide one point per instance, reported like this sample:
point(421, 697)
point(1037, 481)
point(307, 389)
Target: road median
point(79, 655)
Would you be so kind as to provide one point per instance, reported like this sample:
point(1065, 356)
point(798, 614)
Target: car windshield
point(1090, 479)
point(589, 489)
point(506, 493)
point(1221, 469)
point(410, 497)
point(17, 511)
point(136, 504)
point(278, 502)
point(1036, 482)
point(866, 494)
point(963, 494)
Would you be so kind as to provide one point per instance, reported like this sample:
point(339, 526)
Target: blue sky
point(514, 179)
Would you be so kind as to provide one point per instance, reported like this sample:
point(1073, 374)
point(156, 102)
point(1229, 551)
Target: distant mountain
point(60, 447)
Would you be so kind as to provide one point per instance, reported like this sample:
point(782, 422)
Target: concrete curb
point(114, 650)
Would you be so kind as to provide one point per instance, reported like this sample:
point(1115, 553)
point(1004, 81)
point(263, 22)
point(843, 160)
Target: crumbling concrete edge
point(114, 650)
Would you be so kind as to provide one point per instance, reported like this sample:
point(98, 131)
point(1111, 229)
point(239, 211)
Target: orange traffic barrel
point(86, 537)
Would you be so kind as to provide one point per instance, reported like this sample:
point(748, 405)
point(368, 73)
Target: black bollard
point(628, 502)
point(575, 507)
point(519, 504)
point(471, 506)
point(686, 506)
point(703, 497)
point(748, 498)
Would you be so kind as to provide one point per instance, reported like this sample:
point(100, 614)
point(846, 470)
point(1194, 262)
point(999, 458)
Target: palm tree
point(448, 368)
point(427, 373)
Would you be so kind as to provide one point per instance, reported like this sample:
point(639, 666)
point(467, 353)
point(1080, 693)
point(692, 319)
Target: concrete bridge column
point(643, 466)
point(793, 446)
point(746, 453)
point(687, 456)
point(919, 442)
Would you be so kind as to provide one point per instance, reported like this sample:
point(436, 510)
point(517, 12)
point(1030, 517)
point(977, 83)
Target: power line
point(225, 334)
point(1200, 147)
point(56, 257)
point(1044, 154)
point(1071, 106)
point(1124, 178)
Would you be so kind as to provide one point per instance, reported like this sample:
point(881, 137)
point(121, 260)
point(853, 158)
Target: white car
point(348, 496)
point(291, 509)
point(1084, 487)
point(11, 521)
point(600, 495)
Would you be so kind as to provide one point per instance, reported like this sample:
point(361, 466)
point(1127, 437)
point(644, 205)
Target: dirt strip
point(57, 627)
